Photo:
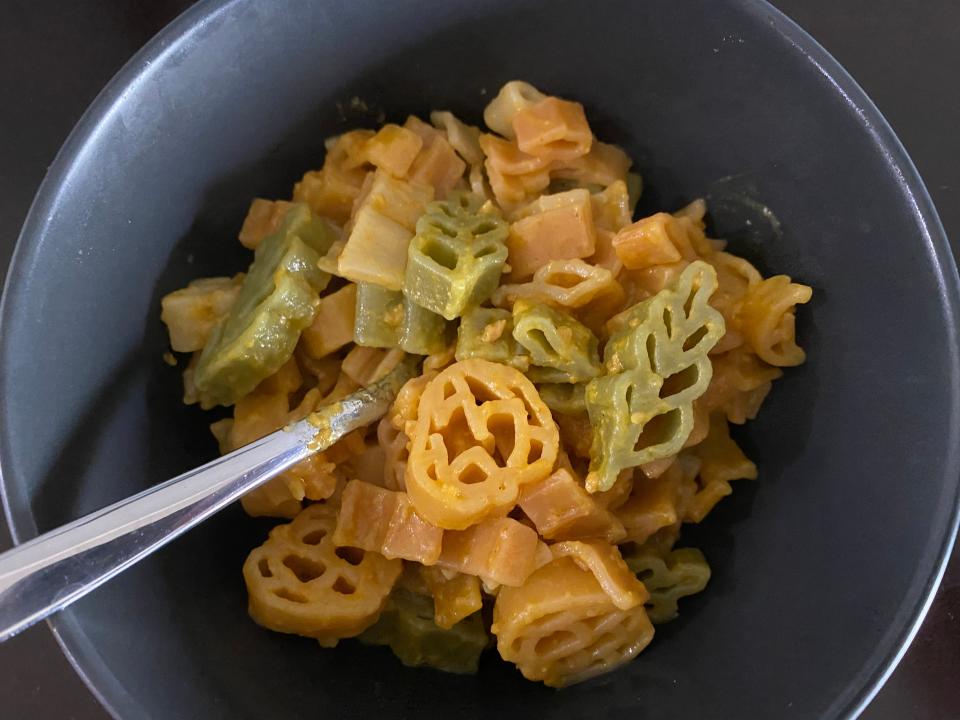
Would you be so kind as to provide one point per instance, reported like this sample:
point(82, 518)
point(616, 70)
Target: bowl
point(822, 570)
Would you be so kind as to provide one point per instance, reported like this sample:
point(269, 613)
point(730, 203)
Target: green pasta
point(657, 365)
point(668, 576)
point(564, 398)
point(456, 258)
point(387, 319)
point(562, 350)
point(279, 298)
point(406, 625)
point(487, 333)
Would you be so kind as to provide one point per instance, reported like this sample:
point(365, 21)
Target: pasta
point(481, 433)
point(300, 583)
point(389, 319)
point(582, 370)
point(407, 627)
point(552, 227)
point(278, 299)
point(668, 576)
point(657, 365)
point(454, 598)
point(568, 637)
point(456, 257)
point(561, 349)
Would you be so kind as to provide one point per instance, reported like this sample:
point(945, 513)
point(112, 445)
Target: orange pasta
point(553, 129)
point(379, 520)
point(482, 432)
point(580, 371)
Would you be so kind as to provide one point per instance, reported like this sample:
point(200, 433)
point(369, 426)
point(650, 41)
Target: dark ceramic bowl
point(822, 570)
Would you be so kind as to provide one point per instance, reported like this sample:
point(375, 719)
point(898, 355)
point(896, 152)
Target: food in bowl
point(581, 373)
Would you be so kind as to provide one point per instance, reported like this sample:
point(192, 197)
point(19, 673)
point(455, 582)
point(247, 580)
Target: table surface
point(55, 57)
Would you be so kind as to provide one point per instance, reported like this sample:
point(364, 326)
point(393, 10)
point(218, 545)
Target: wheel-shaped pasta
point(299, 582)
point(560, 626)
point(482, 432)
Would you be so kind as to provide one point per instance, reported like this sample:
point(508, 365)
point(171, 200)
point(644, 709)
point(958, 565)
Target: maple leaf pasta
point(582, 371)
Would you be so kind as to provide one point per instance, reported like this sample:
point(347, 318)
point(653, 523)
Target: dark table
point(56, 55)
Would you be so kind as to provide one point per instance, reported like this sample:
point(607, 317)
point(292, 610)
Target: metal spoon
point(49, 572)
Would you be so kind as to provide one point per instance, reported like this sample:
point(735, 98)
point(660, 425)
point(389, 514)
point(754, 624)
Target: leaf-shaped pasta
point(407, 627)
point(482, 432)
point(379, 520)
point(560, 348)
point(388, 319)
point(668, 576)
point(487, 333)
point(299, 582)
point(561, 627)
point(657, 363)
point(455, 259)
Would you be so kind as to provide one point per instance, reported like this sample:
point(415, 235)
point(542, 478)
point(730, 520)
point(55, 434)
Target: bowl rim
point(860, 689)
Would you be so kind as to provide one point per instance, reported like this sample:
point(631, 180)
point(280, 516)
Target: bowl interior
point(819, 569)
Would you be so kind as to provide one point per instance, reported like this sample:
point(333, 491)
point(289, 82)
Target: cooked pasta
point(582, 368)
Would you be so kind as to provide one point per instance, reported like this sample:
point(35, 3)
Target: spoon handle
point(49, 572)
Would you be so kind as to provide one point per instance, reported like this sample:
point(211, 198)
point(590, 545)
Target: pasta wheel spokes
point(481, 433)
point(566, 637)
point(300, 582)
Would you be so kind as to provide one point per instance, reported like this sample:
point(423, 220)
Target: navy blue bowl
point(822, 570)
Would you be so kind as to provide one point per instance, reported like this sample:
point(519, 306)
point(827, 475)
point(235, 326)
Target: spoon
point(49, 572)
